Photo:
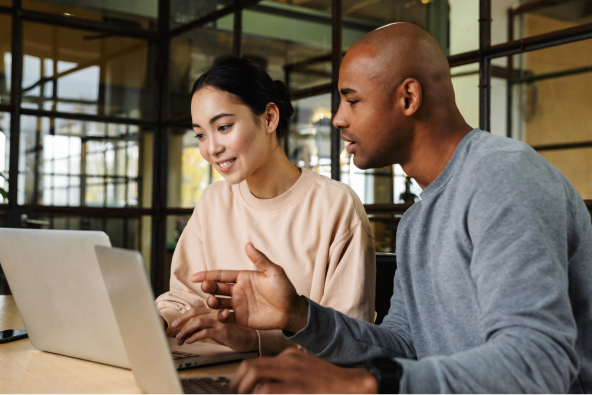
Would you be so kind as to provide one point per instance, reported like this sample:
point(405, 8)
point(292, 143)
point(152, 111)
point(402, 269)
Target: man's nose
point(340, 121)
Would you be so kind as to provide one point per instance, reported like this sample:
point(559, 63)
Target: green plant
point(3, 191)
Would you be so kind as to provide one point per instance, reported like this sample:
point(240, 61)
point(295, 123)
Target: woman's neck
point(275, 177)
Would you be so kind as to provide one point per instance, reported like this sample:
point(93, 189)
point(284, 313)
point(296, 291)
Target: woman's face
point(229, 136)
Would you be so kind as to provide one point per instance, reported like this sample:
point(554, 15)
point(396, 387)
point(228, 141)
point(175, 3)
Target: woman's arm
point(350, 283)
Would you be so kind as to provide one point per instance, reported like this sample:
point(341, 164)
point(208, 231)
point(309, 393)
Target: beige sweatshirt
point(317, 231)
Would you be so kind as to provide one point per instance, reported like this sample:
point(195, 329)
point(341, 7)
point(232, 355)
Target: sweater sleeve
point(188, 258)
point(350, 282)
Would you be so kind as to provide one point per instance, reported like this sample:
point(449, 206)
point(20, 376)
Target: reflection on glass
point(291, 42)
point(80, 163)
point(384, 229)
point(175, 226)
point(549, 84)
point(552, 17)
point(4, 155)
point(78, 71)
point(309, 140)
point(126, 14)
point(464, 26)
point(5, 57)
point(185, 11)
point(465, 80)
point(189, 173)
point(192, 54)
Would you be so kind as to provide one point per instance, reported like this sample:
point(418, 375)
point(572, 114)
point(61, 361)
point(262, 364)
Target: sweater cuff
point(169, 314)
point(314, 337)
point(272, 343)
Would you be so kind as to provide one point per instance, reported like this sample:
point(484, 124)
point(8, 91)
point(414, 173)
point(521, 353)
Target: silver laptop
point(60, 293)
point(147, 346)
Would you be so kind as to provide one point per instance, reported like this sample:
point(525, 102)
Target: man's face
point(368, 115)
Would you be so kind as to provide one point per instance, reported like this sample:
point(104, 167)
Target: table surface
point(24, 369)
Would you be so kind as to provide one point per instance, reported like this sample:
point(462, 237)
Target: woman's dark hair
point(251, 85)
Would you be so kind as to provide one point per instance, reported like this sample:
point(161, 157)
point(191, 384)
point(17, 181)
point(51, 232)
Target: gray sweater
point(493, 289)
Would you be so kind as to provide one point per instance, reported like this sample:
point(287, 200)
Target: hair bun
point(285, 107)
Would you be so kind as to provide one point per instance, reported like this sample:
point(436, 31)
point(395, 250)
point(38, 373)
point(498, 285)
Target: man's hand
point(173, 329)
point(237, 337)
point(263, 299)
point(294, 371)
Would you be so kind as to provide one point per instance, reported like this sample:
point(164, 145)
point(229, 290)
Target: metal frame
point(161, 39)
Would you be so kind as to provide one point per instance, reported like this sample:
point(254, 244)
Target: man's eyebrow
point(346, 91)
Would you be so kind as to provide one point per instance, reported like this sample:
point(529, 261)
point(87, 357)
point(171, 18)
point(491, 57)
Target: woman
point(316, 228)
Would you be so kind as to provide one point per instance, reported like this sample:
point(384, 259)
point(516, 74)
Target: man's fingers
point(259, 259)
point(221, 276)
point(219, 303)
point(255, 371)
point(215, 288)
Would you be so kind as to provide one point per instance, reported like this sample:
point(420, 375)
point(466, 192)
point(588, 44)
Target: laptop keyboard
point(183, 355)
point(206, 385)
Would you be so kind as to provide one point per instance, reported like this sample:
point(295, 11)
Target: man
point(493, 289)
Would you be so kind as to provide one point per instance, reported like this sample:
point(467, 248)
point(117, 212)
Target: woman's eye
point(224, 127)
point(352, 102)
point(200, 136)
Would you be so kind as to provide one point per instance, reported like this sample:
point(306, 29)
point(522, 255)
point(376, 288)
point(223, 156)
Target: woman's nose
point(214, 147)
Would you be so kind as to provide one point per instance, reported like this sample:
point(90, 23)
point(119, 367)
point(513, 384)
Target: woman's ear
point(272, 118)
point(410, 96)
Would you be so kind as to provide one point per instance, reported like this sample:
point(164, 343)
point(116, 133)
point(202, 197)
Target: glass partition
point(78, 71)
point(5, 57)
point(192, 54)
point(80, 163)
point(127, 14)
point(4, 155)
point(185, 11)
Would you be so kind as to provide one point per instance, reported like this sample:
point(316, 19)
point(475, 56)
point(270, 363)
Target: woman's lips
point(227, 167)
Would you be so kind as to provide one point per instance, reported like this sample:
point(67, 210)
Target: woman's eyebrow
point(214, 119)
point(346, 91)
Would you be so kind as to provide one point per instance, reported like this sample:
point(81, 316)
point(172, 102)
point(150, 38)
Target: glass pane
point(384, 229)
point(175, 226)
point(185, 11)
point(138, 14)
point(464, 26)
point(361, 17)
point(81, 163)
point(465, 80)
point(84, 72)
point(549, 84)
point(5, 57)
point(192, 54)
point(292, 43)
point(309, 140)
point(6, 3)
point(4, 155)
point(551, 17)
point(189, 173)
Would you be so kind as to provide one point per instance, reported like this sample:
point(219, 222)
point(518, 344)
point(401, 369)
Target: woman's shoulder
point(220, 191)
point(338, 194)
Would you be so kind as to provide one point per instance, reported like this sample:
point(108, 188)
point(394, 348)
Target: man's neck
point(431, 151)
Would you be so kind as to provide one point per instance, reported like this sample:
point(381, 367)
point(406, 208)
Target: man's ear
point(272, 117)
point(410, 96)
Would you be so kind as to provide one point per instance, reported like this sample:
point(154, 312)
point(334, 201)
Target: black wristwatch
point(388, 373)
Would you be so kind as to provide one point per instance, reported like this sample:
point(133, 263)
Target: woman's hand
point(175, 327)
point(204, 326)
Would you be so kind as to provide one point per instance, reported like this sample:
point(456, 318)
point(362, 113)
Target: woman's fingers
point(219, 303)
point(196, 311)
point(194, 325)
point(226, 317)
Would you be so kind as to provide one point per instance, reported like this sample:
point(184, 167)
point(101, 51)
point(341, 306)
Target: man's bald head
point(403, 50)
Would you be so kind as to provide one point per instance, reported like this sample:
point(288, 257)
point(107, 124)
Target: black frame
point(161, 39)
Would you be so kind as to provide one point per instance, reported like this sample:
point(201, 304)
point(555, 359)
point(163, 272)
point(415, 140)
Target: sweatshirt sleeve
point(188, 258)
point(350, 283)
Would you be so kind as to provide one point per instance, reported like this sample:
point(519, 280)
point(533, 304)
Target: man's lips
point(351, 148)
